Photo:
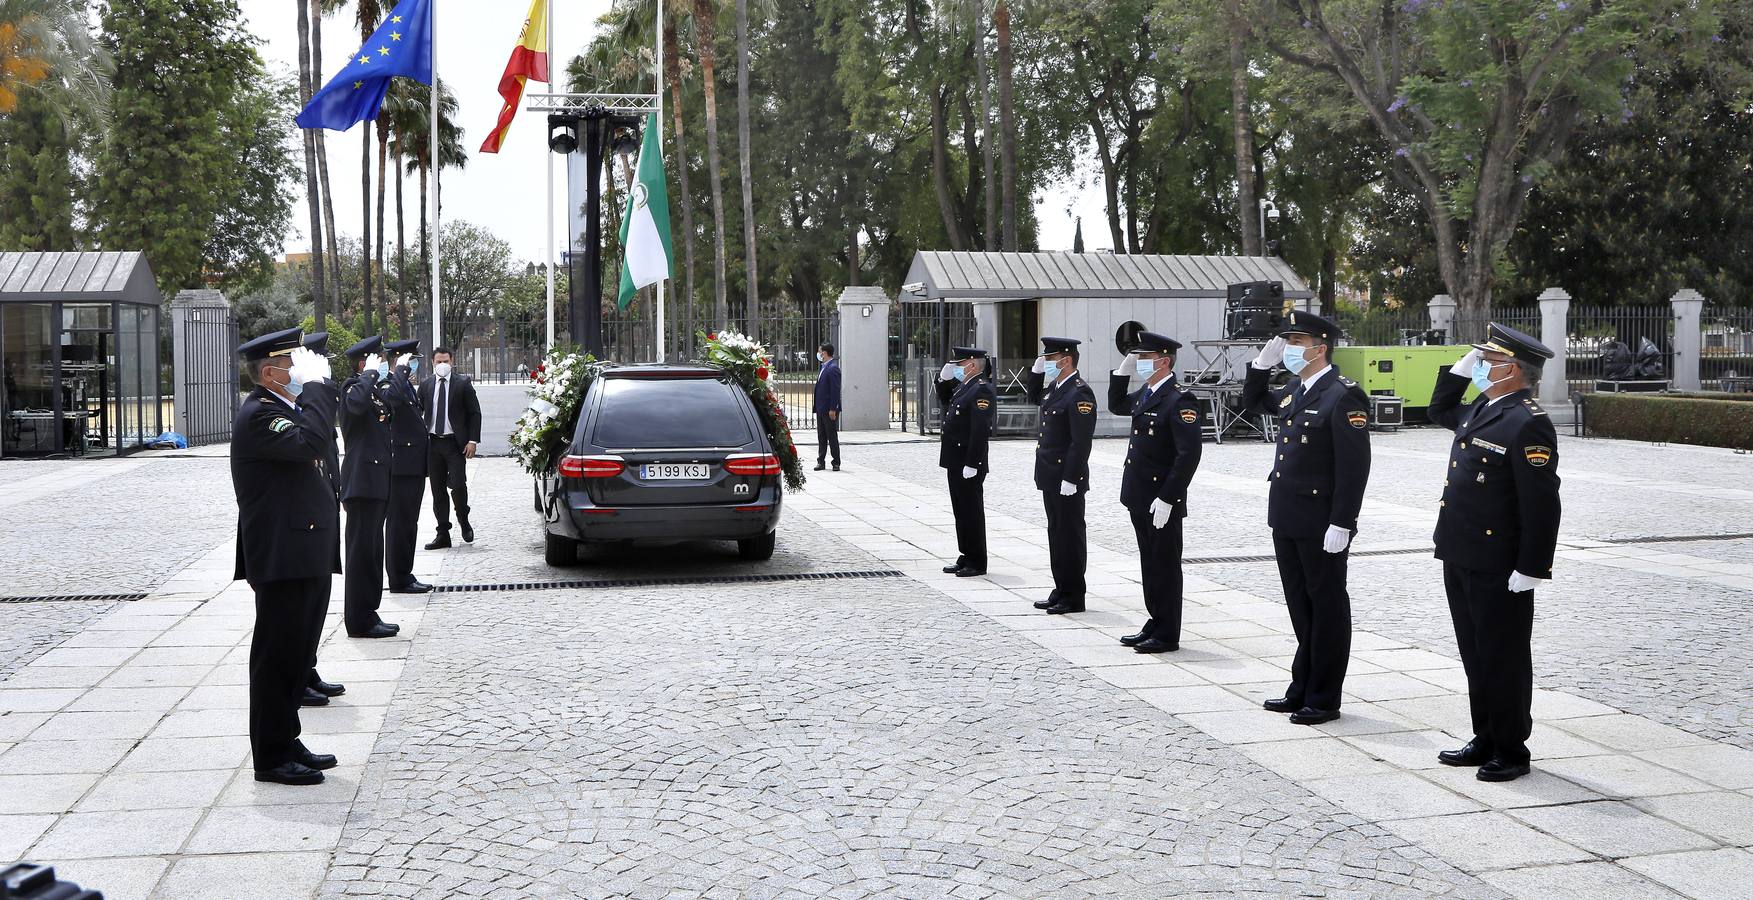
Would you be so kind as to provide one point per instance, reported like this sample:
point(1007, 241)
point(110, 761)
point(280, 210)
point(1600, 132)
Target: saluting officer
point(1062, 467)
point(365, 486)
point(286, 547)
point(408, 464)
point(1317, 489)
point(1161, 457)
point(1495, 533)
point(970, 406)
point(318, 691)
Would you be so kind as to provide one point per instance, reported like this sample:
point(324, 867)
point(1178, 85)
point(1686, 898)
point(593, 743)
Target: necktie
point(441, 408)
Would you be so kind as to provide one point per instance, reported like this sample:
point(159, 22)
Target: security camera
point(913, 287)
point(563, 134)
point(1272, 213)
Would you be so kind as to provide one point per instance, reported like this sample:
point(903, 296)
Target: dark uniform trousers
point(289, 625)
point(402, 528)
point(1067, 545)
point(968, 504)
point(1320, 614)
point(827, 438)
point(448, 469)
point(1159, 563)
point(1495, 629)
point(365, 549)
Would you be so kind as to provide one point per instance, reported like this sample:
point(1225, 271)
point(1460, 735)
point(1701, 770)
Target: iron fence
point(1726, 349)
point(1594, 329)
point(920, 335)
point(210, 376)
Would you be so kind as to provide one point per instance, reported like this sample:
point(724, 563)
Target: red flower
point(761, 373)
point(712, 335)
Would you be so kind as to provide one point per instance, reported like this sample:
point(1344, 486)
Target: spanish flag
point(529, 62)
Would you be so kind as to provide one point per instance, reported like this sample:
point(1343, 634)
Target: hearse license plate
point(675, 472)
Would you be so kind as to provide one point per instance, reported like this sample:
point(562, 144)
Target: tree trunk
point(321, 136)
point(365, 297)
point(1110, 177)
point(940, 170)
point(993, 240)
point(1006, 124)
point(383, 159)
point(672, 64)
point(319, 289)
point(1329, 272)
point(402, 249)
point(705, 34)
point(753, 276)
point(1247, 192)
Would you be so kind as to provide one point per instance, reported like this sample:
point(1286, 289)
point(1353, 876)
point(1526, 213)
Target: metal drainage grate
point(1413, 551)
point(659, 582)
point(1677, 539)
point(76, 598)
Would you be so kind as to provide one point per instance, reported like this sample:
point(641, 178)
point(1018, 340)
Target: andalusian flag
point(645, 229)
point(529, 62)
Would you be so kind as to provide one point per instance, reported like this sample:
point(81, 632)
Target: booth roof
point(954, 275)
point(45, 277)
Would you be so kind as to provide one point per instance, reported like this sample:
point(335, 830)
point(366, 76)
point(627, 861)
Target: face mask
point(383, 370)
point(1482, 376)
point(1146, 367)
point(413, 366)
point(1296, 359)
point(442, 370)
point(821, 357)
point(294, 386)
point(961, 374)
point(1052, 371)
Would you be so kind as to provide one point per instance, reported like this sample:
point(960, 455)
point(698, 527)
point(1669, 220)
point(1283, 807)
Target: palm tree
point(672, 67)
point(406, 105)
point(705, 37)
point(320, 8)
point(367, 14)
point(451, 155)
point(312, 186)
point(46, 47)
point(752, 276)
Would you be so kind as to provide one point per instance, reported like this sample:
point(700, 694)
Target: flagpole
point(657, 122)
point(435, 159)
point(551, 266)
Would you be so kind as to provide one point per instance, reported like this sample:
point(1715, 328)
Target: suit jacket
point(408, 437)
point(827, 397)
point(465, 408)
point(1163, 452)
point(1068, 424)
point(970, 409)
point(288, 524)
point(365, 423)
point(1500, 506)
point(1323, 452)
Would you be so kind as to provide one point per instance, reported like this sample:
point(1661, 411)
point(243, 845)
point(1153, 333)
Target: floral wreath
point(556, 392)
point(749, 365)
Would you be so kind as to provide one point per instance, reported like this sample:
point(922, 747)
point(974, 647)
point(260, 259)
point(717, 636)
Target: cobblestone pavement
point(1675, 651)
point(32, 629)
point(809, 739)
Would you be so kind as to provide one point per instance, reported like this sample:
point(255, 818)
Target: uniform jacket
point(465, 407)
point(1163, 452)
point(288, 525)
point(827, 396)
point(1068, 423)
point(969, 410)
point(1500, 508)
point(407, 427)
point(1323, 452)
point(365, 424)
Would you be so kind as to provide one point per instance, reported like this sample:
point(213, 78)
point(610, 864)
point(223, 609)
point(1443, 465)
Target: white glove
point(1336, 540)
point(1464, 366)
point(308, 366)
point(1520, 582)
point(1066, 488)
point(1160, 512)
point(402, 361)
point(1040, 365)
point(1270, 355)
point(372, 361)
point(969, 471)
point(948, 372)
point(1128, 366)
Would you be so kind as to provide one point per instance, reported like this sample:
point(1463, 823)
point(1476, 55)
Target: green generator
point(1405, 372)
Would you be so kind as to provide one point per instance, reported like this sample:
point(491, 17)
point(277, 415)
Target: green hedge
point(1710, 420)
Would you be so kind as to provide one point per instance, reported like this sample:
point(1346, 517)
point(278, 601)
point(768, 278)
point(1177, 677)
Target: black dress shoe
point(969, 572)
point(468, 533)
point(1283, 705)
point(313, 698)
point(375, 631)
point(1500, 770)
point(1156, 645)
point(1309, 715)
point(290, 773)
point(1473, 754)
point(317, 761)
point(952, 569)
point(326, 688)
point(1061, 608)
point(820, 467)
point(1133, 640)
point(836, 468)
point(393, 627)
point(412, 587)
point(439, 543)
point(1048, 603)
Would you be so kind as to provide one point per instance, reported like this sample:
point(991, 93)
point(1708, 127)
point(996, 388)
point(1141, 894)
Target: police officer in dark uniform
point(318, 692)
point(1317, 489)
point(408, 463)
point(286, 547)
point(1161, 456)
point(365, 485)
point(970, 407)
point(1496, 532)
point(1062, 467)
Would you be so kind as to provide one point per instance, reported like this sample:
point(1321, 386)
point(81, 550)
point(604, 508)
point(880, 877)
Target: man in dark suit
point(318, 691)
point(365, 486)
point(1496, 532)
point(1317, 489)
point(409, 460)
point(970, 407)
point(1161, 456)
point(1062, 467)
point(827, 407)
point(453, 427)
point(286, 541)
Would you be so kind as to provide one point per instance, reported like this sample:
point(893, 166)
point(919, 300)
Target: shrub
point(340, 338)
point(1710, 420)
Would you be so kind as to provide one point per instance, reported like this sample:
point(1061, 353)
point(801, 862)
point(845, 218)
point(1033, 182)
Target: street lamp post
point(1268, 210)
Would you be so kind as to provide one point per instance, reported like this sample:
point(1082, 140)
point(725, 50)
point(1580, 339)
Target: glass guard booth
point(79, 345)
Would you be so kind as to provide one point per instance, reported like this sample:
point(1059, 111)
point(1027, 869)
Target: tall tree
point(752, 278)
point(1242, 122)
point(320, 138)
point(46, 48)
point(990, 232)
point(312, 186)
point(367, 15)
point(37, 182)
point(255, 203)
point(705, 40)
point(1006, 123)
point(672, 67)
point(420, 155)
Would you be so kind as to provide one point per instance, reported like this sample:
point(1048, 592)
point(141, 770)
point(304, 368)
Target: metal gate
point(204, 353)
point(920, 335)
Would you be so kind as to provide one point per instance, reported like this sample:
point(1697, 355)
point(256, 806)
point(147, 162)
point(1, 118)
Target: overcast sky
point(505, 192)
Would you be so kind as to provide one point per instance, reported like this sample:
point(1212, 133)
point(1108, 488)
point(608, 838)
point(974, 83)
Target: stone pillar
point(1442, 315)
point(197, 353)
point(1688, 338)
point(864, 359)
point(1555, 334)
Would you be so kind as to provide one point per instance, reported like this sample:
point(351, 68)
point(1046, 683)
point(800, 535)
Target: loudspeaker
point(1253, 309)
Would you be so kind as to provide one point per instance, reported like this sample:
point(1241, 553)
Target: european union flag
point(402, 45)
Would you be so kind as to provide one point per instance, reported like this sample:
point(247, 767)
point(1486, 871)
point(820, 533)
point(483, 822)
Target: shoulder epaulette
point(1532, 406)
